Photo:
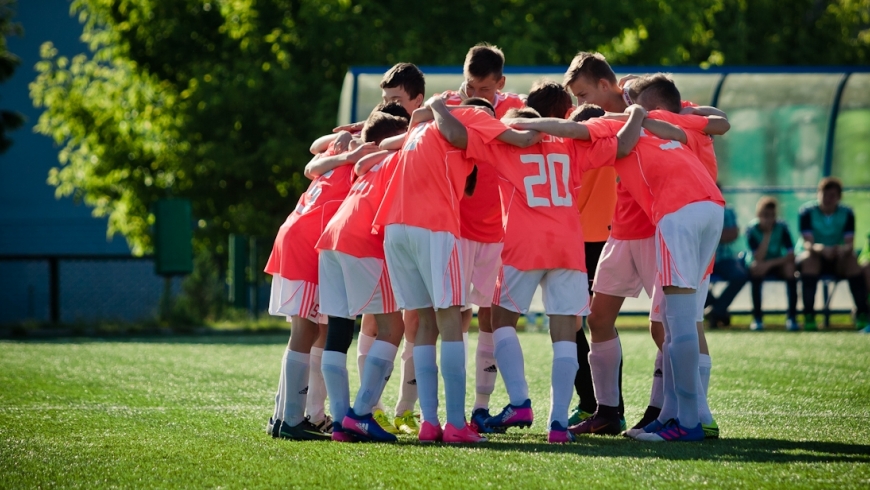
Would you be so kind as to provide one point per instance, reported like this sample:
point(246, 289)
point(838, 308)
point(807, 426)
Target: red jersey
point(630, 221)
point(480, 214)
point(293, 254)
point(662, 176)
point(350, 229)
point(697, 140)
point(429, 179)
point(538, 187)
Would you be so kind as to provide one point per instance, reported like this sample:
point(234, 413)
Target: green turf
point(190, 412)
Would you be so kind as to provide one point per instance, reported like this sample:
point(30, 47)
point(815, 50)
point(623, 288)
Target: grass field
point(794, 410)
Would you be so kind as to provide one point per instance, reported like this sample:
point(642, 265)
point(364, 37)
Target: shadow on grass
point(737, 450)
point(213, 338)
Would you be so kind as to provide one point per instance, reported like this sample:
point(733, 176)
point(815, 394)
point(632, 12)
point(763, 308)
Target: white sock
point(509, 357)
point(465, 346)
point(565, 367)
point(669, 396)
point(316, 403)
point(379, 366)
point(426, 371)
point(604, 359)
point(408, 387)
point(295, 387)
point(485, 370)
point(453, 372)
point(656, 397)
point(334, 368)
point(684, 354)
point(704, 365)
point(363, 345)
point(279, 394)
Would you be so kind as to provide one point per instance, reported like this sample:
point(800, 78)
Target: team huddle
point(477, 197)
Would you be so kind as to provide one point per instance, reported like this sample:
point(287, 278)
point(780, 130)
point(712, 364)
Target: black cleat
point(303, 431)
point(598, 424)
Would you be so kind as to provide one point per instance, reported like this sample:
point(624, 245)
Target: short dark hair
point(549, 98)
point(831, 183)
point(586, 112)
point(766, 202)
point(393, 108)
point(484, 60)
point(590, 65)
point(661, 88)
point(521, 113)
point(480, 102)
point(380, 125)
point(407, 76)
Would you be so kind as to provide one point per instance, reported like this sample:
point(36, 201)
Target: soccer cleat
point(478, 422)
point(407, 423)
point(578, 415)
point(861, 321)
point(430, 432)
point(272, 426)
point(810, 323)
point(463, 435)
point(384, 421)
point(559, 434)
point(672, 432)
point(324, 425)
point(866, 329)
point(653, 426)
point(598, 424)
point(649, 416)
point(757, 325)
point(365, 428)
point(512, 416)
point(341, 435)
point(791, 325)
point(303, 431)
point(711, 430)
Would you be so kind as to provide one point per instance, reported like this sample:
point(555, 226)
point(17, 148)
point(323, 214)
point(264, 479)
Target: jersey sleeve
point(686, 121)
point(477, 148)
point(786, 240)
point(602, 128)
point(487, 126)
point(849, 229)
point(687, 103)
point(600, 153)
point(805, 220)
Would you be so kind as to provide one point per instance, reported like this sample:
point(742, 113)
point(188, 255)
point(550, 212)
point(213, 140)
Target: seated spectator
point(828, 234)
point(771, 257)
point(729, 268)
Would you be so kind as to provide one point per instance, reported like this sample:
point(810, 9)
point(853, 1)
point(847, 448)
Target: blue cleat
point(478, 422)
point(512, 416)
point(365, 428)
point(673, 432)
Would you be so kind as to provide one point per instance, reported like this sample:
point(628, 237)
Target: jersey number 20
point(547, 173)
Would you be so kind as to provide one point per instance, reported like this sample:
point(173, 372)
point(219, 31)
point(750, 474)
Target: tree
point(217, 100)
point(9, 120)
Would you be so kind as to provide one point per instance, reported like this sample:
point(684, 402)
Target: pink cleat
point(559, 434)
point(430, 432)
point(465, 435)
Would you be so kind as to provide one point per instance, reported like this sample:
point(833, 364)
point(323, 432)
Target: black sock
point(809, 284)
point(791, 289)
point(339, 334)
point(859, 293)
point(583, 379)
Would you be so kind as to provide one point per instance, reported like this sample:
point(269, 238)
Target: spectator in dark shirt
point(729, 268)
point(828, 234)
point(771, 257)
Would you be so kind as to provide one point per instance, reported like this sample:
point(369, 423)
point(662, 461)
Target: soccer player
point(295, 285)
point(771, 256)
point(678, 194)
point(481, 230)
point(659, 94)
point(424, 258)
point(354, 281)
point(827, 247)
point(538, 187)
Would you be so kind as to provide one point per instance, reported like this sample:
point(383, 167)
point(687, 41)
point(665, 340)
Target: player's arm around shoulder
point(554, 126)
point(367, 162)
point(665, 130)
point(629, 134)
point(717, 119)
point(319, 165)
point(450, 127)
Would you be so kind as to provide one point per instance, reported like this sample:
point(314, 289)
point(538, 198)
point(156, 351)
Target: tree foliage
point(9, 120)
point(217, 100)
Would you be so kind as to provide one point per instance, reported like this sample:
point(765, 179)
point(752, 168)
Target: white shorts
point(685, 243)
point(655, 310)
point(566, 292)
point(352, 286)
point(425, 267)
point(626, 267)
point(293, 297)
point(480, 265)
